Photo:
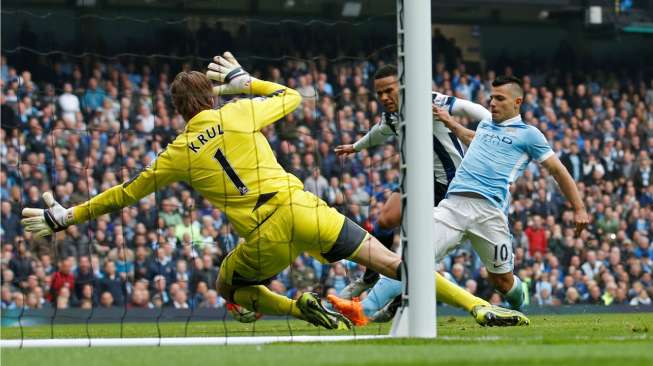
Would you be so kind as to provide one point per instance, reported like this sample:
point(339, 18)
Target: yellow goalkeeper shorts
point(304, 224)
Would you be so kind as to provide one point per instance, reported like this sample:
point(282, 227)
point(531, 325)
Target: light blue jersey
point(497, 156)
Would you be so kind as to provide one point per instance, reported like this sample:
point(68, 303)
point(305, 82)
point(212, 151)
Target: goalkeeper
point(223, 155)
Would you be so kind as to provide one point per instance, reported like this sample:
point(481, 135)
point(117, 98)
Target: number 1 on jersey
point(231, 173)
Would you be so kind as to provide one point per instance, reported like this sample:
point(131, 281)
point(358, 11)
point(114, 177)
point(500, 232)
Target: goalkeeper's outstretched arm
point(159, 174)
point(56, 218)
point(277, 101)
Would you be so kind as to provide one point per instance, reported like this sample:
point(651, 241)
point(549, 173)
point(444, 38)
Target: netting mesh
point(157, 259)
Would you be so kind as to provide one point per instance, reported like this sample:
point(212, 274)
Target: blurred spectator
point(337, 278)
point(113, 283)
point(84, 277)
point(572, 296)
point(303, 277)
point(106, 299)
point(86, 298)
point(160, 289)
point(62, 300)
point(537, 241)
point(212, 301)
point(61, 279)
point(591, 267)
point(180, 300)
point(316, 183)
point(458, 274)
point(6, 297)
point(573, 161)
point(140, 297)
point(21, 263)
point(141, 263)
point(10, 223)
point(227, 240)
point(93, 97)
point(69, 103)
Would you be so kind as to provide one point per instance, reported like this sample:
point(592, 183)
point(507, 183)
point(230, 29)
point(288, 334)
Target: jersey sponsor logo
point(203, 138)
point(494, 139)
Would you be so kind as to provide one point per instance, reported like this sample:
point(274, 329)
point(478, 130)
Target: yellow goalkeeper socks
point(262, 300)
point(450, 293)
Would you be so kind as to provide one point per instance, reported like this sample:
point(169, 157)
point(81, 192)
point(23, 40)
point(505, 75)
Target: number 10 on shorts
point(501, 252)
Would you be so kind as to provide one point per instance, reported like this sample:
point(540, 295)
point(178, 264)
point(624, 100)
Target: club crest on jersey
point(204, 138)
point(439, 100)
point(511, 131)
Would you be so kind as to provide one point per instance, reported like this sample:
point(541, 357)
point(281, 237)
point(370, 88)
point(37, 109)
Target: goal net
point(85, 121)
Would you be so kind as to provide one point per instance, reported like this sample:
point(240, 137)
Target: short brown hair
point(191, 93)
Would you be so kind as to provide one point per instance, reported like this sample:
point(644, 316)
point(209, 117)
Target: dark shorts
point(349, 240)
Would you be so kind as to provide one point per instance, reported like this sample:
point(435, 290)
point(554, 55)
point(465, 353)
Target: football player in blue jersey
point(478, 197)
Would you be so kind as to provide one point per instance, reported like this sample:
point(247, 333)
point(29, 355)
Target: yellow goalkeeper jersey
point(223, 155)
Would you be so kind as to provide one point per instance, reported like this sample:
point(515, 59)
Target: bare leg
point(509, 286)
point(501, 281)
point(390, 216)
point(374, 255)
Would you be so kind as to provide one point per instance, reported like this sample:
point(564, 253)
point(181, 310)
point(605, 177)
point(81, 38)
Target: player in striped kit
point(447, 154)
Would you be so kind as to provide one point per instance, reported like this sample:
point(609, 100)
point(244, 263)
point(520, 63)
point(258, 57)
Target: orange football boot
point(352, 309)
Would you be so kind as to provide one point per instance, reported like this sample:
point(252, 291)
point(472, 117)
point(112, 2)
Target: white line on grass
point(191, 341)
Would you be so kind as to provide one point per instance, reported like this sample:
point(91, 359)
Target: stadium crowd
point(86, 125)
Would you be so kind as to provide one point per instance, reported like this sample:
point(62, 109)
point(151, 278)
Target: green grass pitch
point(552, 340)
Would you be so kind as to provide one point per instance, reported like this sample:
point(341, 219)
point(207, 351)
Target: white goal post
point(416, 317)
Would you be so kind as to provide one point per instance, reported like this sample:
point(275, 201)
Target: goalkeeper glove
point(228, 71)
point(44, 222)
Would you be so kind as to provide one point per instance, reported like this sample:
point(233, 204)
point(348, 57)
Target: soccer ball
point(243, 315)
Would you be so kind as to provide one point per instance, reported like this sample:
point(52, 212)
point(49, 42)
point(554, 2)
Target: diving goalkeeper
point(223, 155)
